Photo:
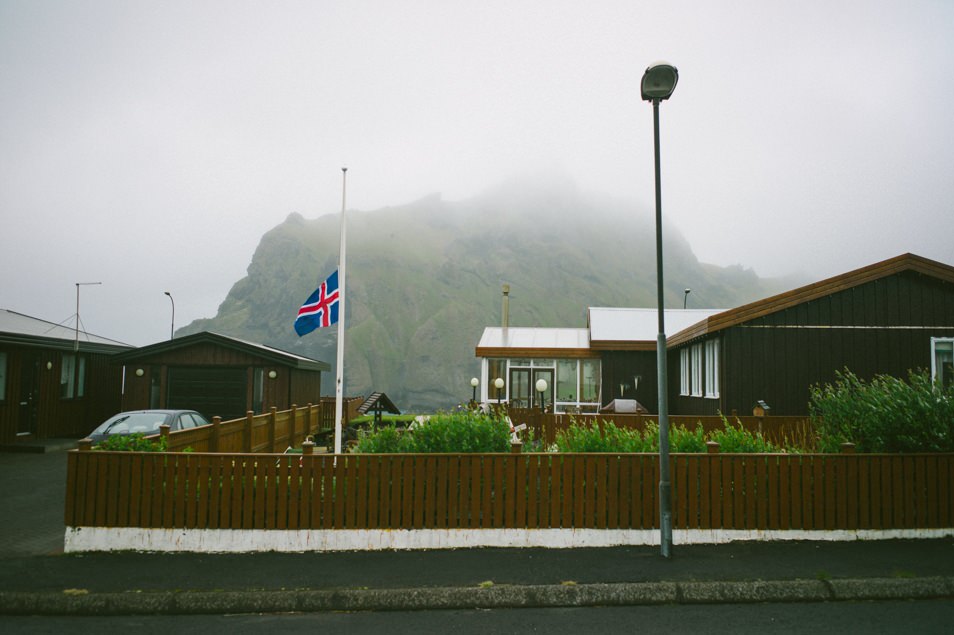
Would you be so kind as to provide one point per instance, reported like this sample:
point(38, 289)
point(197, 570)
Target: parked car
point(147, 422)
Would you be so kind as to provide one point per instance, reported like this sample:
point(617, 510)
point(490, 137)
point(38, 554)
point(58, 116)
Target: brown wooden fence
point(778, 430)
point(601, 491)
point(270, 432)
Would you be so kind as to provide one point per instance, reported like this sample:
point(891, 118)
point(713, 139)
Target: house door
point(520, 388)
point(29, 399)
point(546, 374)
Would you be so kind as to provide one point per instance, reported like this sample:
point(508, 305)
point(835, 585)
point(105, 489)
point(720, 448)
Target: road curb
point(487, 597)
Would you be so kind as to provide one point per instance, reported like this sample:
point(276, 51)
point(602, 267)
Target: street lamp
point(542, 388)
point(474, 382)
point(685, 298)
point(499, 384)
point(172, 326)
point(657, 85)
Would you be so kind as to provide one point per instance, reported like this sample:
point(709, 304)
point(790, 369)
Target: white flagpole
point(342, 296)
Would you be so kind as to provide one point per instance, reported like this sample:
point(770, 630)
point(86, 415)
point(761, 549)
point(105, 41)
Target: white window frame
point(696, 355)
point(684, 372)
point(712, 369)
point(934, 342)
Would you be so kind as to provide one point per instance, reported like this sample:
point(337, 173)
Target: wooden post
point(85, 445)
point(293, 416)
point(308, 447)
point(247, 432)
point(516, 447)
point(164, 436)
point(712, 447)
point(214, 436)
point(271, 436)
point(308, 429)
point(847, 448)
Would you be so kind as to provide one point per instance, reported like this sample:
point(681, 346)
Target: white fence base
point(80, 539)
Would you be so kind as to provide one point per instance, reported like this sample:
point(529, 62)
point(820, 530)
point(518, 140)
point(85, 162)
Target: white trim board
point(81, 539)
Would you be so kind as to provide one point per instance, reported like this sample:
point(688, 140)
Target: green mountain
point(424, 279)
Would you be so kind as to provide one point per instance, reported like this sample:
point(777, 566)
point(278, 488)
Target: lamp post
point(542, 388)
point(685, 297)
point(172, 326)
point(657, 85)
point(499, 384)
point(474, 382)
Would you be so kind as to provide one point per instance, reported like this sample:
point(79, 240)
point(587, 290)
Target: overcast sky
point(149, 145)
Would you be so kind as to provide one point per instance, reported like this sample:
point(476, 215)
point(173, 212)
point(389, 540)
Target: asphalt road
point(924, 618)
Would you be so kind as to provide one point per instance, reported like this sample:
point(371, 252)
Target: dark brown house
point(218, 376)
point(55, 381)
point(886, 318)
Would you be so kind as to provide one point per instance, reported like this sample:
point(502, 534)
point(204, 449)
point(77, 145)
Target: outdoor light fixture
point(685, 298)
point(49, 365)
point(499, 384)
point(272, 374)
point(659, 81)
point(172, 326)
point(474, 382)
point(139, 372)
point(542, 388)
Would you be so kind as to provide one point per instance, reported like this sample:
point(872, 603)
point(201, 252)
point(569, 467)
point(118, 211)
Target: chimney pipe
point(505, 317)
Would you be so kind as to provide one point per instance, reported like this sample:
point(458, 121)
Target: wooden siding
point(514, 491)
point(54, 415)
point(620, 367)
point(880, 327)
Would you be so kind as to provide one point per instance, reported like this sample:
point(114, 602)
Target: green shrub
point(608, 437)
point(886, 414)
point(600, 437)
point(135, 442)
point(736, 439)
point(445, 432)
point(681, 439)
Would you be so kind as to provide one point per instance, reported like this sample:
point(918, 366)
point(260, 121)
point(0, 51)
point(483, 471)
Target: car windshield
point(132, 422)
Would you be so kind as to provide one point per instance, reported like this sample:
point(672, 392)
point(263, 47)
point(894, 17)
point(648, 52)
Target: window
point(942, 360)
point(684, 372)
point(72, 376)
point(590, 380)
point(696, 354)
point(712, 368)
point(3, 376)
point(566, 380)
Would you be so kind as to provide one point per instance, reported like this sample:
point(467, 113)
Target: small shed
point(378, 403)
point(218, 375)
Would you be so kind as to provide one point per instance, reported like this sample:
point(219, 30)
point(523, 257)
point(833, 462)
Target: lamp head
point(659, 81)
point(541, 385)
point(474, 382)
point(499, 383)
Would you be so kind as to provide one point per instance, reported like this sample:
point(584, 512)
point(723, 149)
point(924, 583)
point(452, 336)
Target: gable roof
point(275, 355)
point(521, 341)
point(624, 329)
point(24, 330)
point(814, 291)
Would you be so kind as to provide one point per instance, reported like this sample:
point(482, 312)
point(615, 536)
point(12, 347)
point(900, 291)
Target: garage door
point(212, 391)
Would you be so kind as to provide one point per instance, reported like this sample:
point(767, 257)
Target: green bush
point(736, 439)
point(605, 437)
point(445, 432)
point(608, 437)
point(135, 442)
point(886, 414)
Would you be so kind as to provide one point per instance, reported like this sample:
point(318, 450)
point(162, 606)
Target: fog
point(148, 145)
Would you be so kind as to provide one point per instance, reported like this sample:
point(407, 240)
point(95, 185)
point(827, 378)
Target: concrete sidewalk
point(37, 578)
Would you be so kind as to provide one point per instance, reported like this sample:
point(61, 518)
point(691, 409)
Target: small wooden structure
point(218, 376)
point(378, 403)
point(55, 381)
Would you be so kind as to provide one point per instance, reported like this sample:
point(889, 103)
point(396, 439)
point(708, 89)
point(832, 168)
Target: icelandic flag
point(321, 307)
